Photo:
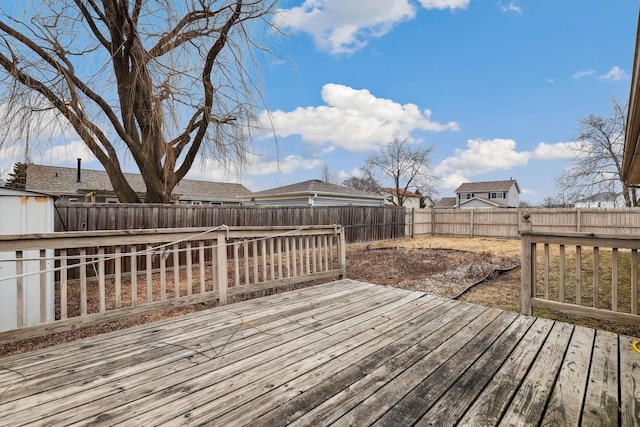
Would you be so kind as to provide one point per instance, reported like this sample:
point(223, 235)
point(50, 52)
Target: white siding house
point(602, 200)
point(488, 194)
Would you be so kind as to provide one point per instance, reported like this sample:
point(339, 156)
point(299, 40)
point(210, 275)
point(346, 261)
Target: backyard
point(483, 271)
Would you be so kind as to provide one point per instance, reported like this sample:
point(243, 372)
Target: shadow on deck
point(344, 353)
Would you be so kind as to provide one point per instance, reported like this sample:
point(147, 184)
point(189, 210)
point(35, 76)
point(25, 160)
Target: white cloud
point(559, 150)
point(445, 4)
point(482, 156)
point(584, 73)
point(216, 170)
point(286, 166)
point(344, 26)
point(354, 120)
point(615, 74)
point(65, 154)
point(511, 7)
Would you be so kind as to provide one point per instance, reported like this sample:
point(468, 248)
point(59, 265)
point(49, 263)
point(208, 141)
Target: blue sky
point(497, 87)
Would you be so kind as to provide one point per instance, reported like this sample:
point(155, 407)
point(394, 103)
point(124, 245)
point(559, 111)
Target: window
point(497, 196)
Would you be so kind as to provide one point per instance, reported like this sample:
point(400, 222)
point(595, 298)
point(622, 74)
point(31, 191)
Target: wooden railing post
point(526, 265)
point(342, 253)
point(221, 264)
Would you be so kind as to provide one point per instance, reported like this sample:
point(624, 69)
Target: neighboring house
point(92, 186)
point(314, 193)
point(411, 199)
point(489, 194)
point(602, 200)
point(446, 203)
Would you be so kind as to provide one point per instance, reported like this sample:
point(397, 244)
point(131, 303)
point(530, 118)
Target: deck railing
point(57, 281)
point(585, 274)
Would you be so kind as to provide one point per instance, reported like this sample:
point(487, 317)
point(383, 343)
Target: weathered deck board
point(344, 353)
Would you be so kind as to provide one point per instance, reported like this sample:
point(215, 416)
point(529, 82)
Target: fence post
point(433, 222)
point(221, 270)
point(578, 219)
point(413, 222)
point(472, 224)
point(526, 282)
point(342, 253)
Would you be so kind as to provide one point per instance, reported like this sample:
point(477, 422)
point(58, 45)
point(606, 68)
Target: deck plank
point(265, 374)
point(529, 403)
point(414, 405)
point(344, 353)
point(629, 382)
point(152, 332)
point(601, 405)
point(395, 389)
point(463, 393)
point(492, 403)
point(135, 381)
point(446, 325)
point(95, 364)
point(281, 406)
point(565, 406)
point(158, 391)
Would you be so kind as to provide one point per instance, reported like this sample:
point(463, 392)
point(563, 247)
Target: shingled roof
point(477, 187)
point(446, 202)
point(57, 180)
point(315, 186)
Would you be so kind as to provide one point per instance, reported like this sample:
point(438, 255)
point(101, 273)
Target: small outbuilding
point(25, 212)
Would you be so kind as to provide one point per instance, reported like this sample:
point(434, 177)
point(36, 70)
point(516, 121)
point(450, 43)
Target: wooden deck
point(345, 353)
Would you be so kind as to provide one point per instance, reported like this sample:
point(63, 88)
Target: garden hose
point(635, 346)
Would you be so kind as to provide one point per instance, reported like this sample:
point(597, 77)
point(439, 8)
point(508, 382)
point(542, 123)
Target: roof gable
point(479, 200)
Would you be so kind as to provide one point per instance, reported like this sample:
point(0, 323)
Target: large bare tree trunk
point(154, 80)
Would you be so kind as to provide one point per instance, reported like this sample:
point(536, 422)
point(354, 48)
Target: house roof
point(315, 186)
point(10, 191)
point(473, 187)
point(61, 180)
point(405, 193)
point(446, 202)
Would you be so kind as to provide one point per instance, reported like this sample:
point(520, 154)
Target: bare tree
point(159, 81)
point(327, 175)
point(597, 166)
point(365, 183)
point(406, 167)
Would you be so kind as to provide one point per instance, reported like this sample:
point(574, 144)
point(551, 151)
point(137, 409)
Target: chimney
point(79, 164)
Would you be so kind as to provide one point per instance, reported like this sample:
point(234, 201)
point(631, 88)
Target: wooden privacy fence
point(504, 223)
point(360, 223)
point(594, 275)
point(105, 275)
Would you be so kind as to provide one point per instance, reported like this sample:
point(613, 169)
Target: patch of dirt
point(444, 272)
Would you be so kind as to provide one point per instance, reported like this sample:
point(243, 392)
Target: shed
point(25, 212)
